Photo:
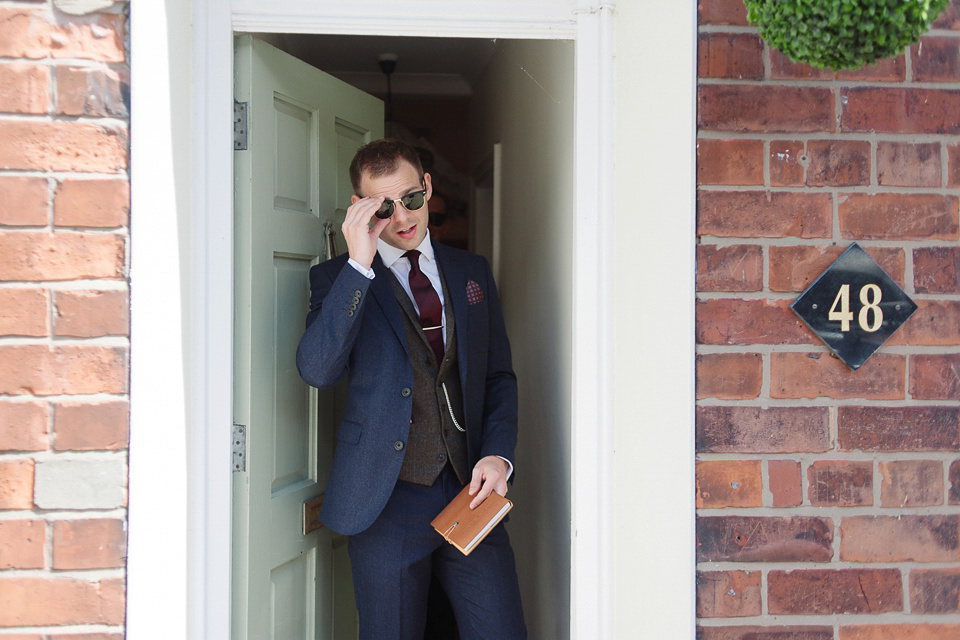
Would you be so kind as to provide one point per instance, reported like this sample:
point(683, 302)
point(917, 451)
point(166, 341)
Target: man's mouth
point(407, 232)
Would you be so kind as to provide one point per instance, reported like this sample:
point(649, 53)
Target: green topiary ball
point(842, 34)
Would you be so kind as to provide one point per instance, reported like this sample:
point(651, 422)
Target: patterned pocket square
point(474, 293)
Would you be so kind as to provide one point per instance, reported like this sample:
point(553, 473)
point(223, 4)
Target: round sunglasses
point(411, 202)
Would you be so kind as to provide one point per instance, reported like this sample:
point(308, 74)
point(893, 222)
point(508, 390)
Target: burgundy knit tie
point(428, 302)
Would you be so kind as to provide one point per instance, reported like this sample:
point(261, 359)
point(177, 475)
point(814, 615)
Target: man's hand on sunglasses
point(360, 236)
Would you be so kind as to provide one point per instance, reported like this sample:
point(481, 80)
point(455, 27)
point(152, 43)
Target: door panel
point(304, 127)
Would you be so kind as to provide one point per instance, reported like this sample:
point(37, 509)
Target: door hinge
point(239, 126)
point(239, 447)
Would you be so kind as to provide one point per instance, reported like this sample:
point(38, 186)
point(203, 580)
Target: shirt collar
point(390, 254)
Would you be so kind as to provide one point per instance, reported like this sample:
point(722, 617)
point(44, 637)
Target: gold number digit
point(870, 296)
point(844, 315)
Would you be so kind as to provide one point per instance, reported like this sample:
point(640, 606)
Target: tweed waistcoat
point(434, 438)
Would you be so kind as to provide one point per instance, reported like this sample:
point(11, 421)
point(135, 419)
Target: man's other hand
point(361, 237)
point(490, 474)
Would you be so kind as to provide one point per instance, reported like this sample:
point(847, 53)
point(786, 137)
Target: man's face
point(405, 229)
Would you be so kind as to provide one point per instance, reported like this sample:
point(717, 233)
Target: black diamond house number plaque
point(854, 306)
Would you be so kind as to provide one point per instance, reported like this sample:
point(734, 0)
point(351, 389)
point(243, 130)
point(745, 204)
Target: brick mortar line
point(905, 350)
point(822, 401)
point(93, 231)
point(704, 133)
point(86, 575)
point(946, 457)
point(833, 512)
point(64, 630)
point(63, 175)
point(773, 296)
point(40, 457)
point(90, 398)
point(731, 565)
point(794, 241)
point(106, 284)
point(862, 189)
point(712, 28)
point(821, 83)
point(63, 516)
point(66, 341)
point(832, 619)
point(87, 64)
point(106, 121)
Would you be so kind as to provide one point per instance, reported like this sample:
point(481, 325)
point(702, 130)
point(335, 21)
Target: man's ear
point(354, 199)
point(428, 185)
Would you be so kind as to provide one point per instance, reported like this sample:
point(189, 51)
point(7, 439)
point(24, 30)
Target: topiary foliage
point(842, 34)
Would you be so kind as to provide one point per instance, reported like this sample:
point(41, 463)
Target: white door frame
point(180, 479)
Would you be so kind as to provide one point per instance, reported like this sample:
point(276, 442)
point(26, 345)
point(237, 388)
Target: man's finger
point(476, 480)
point(482, 495)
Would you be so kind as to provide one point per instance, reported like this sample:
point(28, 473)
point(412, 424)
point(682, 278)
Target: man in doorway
point(431, 405)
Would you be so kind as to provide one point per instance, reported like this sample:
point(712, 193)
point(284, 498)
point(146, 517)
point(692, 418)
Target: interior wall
point(524, 100)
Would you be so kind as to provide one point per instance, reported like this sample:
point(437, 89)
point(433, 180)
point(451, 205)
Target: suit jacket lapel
point(383, 293)
point(457, 288)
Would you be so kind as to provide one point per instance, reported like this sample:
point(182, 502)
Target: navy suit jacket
point(355, 330)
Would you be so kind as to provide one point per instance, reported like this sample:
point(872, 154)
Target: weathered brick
point(820, 375)
point(764, 214)
point(935, 591)
point(24, 312)
point(98, 91)
point(901, 632)
point(897, 216)
point(729, 376)
point(826, 592)
point(785, 483)
point(94, 36)
point(89, 544)
point(21, 544)
point(728, 483)
point(900, 538)
point(730, 55)
point(904, 164)
point(885, 70)
point(953, 496)
point(953, 165)
point(893, 110)
point(60, 601)
point(16, 485)
point(730, 321)
point(898, 428)
point(936, 59)
point(736, 267)
point(838, 163)
point(950, 18)
point(23, 88)
point(911, 483)
point(64, 255)
point(23, 201)
point(935, 376)
point(730, 162)
point(728, 594)
point(24, 33)
point(91, 427)
point(92, 203)
point(936, 269)
point(764, 539)
point(88, 314)
point(764, 633)
point(762, 108)
point(62, 146)
point(756, 430)
point(840, 483)
point(793, 269)
point(721, 12)
point(787, 161)
point(80, 484)
point(23, 426)
point(70, 369)
point(934, 323)
point(86, 636)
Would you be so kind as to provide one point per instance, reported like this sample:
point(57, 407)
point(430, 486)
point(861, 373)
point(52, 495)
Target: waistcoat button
point(398, 445)
point(405, 392)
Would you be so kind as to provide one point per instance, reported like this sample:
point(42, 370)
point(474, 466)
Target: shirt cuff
point(509, 466)
point(359, 267)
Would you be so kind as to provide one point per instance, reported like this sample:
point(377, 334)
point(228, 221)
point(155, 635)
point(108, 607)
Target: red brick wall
point(64, 205)
point(827, 499)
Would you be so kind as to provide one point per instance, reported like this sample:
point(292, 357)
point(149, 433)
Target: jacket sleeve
point(337, 303)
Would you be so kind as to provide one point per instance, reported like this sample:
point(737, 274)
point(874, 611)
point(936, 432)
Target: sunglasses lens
point(385, 210)
point(413, 201)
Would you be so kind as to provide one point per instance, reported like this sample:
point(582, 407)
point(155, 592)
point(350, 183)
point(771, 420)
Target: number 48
point(870, 296)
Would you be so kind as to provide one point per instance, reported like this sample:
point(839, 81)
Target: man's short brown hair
point(381, 157)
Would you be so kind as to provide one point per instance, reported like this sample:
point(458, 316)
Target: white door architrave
point(187, 474)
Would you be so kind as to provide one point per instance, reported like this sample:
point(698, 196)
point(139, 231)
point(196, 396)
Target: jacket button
point(357, 293)
point(349, 312)
point(356, 299)
point(398, 445)
point(352, 307)
point(405, 392)
point(441, 457)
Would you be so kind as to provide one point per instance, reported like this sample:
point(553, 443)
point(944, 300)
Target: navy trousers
point(393, 559)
